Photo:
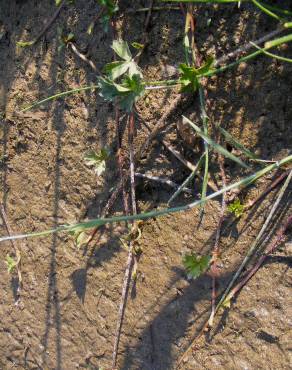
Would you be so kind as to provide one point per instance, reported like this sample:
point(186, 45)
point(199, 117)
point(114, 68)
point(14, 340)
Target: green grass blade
point(214, 145)
point(266, 11)
point(278, 57)
point(187, 180)
point(142, 216)
point(230, 139)
point(59, 95)
point(277, 42)
point(277, 9)
point(268, 45)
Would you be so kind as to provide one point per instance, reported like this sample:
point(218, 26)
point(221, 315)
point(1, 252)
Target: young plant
point(11, 263)
point(236, 208)
point(196, 265)
point(97, 160)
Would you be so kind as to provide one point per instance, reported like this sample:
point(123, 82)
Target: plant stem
point(164, 180)
point(255, 243)
point(270, 249)
point(95, 223)
point(16, 250)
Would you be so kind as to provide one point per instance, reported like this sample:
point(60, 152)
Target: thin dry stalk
point(130, 260)
point(243, 264)
point(281, 237)
point(216, 250)
point(247, 46)
point(255, 243)
point(83, 57)
point(163, 180)
point(16, 250)
point(50, 23)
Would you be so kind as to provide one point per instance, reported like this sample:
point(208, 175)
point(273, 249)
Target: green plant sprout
point(11, 263)
point(97, 160)
point(195, 265)
point(236, 208)
point(110, 7)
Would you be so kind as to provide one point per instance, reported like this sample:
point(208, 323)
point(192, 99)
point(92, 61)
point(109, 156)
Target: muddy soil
point(66, 315)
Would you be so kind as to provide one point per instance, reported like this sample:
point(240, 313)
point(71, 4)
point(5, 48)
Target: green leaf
point(11, 263)
point(110, 6)
point(236, 208)
point(98, 160)
point(214, 145)
point(90, 28)
point(81, 238)
point(127, 93)
point(189, 75)
point(136, 90)
point(58, 2)
point(121, 48)
point(196, 265)
point(116, 69)
point(207, 67)
point(188, 78)
point(24, 44)
point(137, 45)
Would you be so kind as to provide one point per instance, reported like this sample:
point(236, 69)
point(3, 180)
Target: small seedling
point(11, 263)
point(80, 238)
point(97, 160)
point(108, 9)
point(64, 39)
point(196, 265)
point(236, 208)
point(189, 76)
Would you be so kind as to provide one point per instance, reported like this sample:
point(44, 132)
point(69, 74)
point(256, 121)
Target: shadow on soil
point(258, 94)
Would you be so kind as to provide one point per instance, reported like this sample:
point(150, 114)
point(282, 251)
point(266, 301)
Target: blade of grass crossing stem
point(214, 145)
point(283, 59)
point(187, 180)
point(142, 216)
point(278, 41)
point(255, 243)
point(268, 45)
point(230, 139)
point(277, 9)
point(59, 95)
point(266, 11)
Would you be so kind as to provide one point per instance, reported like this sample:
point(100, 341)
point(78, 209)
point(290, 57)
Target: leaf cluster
point(196, 265)
point(189, 75)
point(130, 88)
point(97, 160)
point(236, 208)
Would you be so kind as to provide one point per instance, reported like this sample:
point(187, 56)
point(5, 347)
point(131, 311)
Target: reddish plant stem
point(216, 249)
point(268, 189)
point(281, 237)
point(130, 260)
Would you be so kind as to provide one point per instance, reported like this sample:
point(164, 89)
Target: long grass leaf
point(187, 180)
point(59, 95)
point(230, 139)
point(275, 56)
point(214, 145)
point(142, 216)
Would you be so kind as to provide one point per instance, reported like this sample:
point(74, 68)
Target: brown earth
point(67, 312)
